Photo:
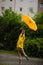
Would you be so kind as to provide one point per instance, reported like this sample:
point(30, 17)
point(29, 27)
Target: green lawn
point(3, 64)
point(7, 52)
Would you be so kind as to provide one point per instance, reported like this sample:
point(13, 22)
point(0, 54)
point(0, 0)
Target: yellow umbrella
point(29, 22)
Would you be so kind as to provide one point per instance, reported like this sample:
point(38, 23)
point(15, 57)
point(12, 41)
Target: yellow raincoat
point(20, 41)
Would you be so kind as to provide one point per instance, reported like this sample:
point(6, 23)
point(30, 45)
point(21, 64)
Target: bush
point(10, 24)
point(34, 47)
point(34, 42)
point(39, 18)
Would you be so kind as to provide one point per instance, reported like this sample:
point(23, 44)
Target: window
point(2, 8)
point(31, 10)
point(10, 0)
point(20, 8)
point(41, 5)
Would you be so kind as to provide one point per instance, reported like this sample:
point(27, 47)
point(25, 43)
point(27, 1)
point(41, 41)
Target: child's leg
point(19, 55)
point(25, 54)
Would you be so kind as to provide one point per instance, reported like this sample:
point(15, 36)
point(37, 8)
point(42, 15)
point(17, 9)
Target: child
point(20, 44)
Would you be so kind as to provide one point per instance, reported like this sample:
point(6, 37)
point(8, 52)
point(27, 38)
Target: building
point(5, 4)
point(40, 5)
point(30, 7)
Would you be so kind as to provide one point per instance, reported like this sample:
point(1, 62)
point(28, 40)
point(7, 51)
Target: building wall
point(40, 5)
point(24, 5)
point(6, 4)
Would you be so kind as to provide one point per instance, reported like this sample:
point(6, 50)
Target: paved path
point(13, 60)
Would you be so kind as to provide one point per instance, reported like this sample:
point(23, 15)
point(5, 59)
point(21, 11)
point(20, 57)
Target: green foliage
point(34, 40)
point(34, 47)
point(10, 28)
point(10, 24)
point(39, 18)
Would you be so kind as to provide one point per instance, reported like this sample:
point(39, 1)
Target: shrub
point(34, 42)
point(34, 47)
point(10, 24)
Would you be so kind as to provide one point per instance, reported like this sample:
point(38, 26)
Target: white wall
point(6, 4)
point(21, 4)
point(16, 4)
point(0, 7)
point(26, 4)
point(34, 5)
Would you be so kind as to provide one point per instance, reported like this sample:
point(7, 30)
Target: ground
point(13, 60)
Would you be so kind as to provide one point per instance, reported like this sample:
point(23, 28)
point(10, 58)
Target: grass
point(7, 52)
point(3, 64)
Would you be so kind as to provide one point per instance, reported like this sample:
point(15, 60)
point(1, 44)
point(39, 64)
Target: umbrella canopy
point(29, 22)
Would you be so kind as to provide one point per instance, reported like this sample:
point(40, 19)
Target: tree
point(34, 42)
point(10, 24)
